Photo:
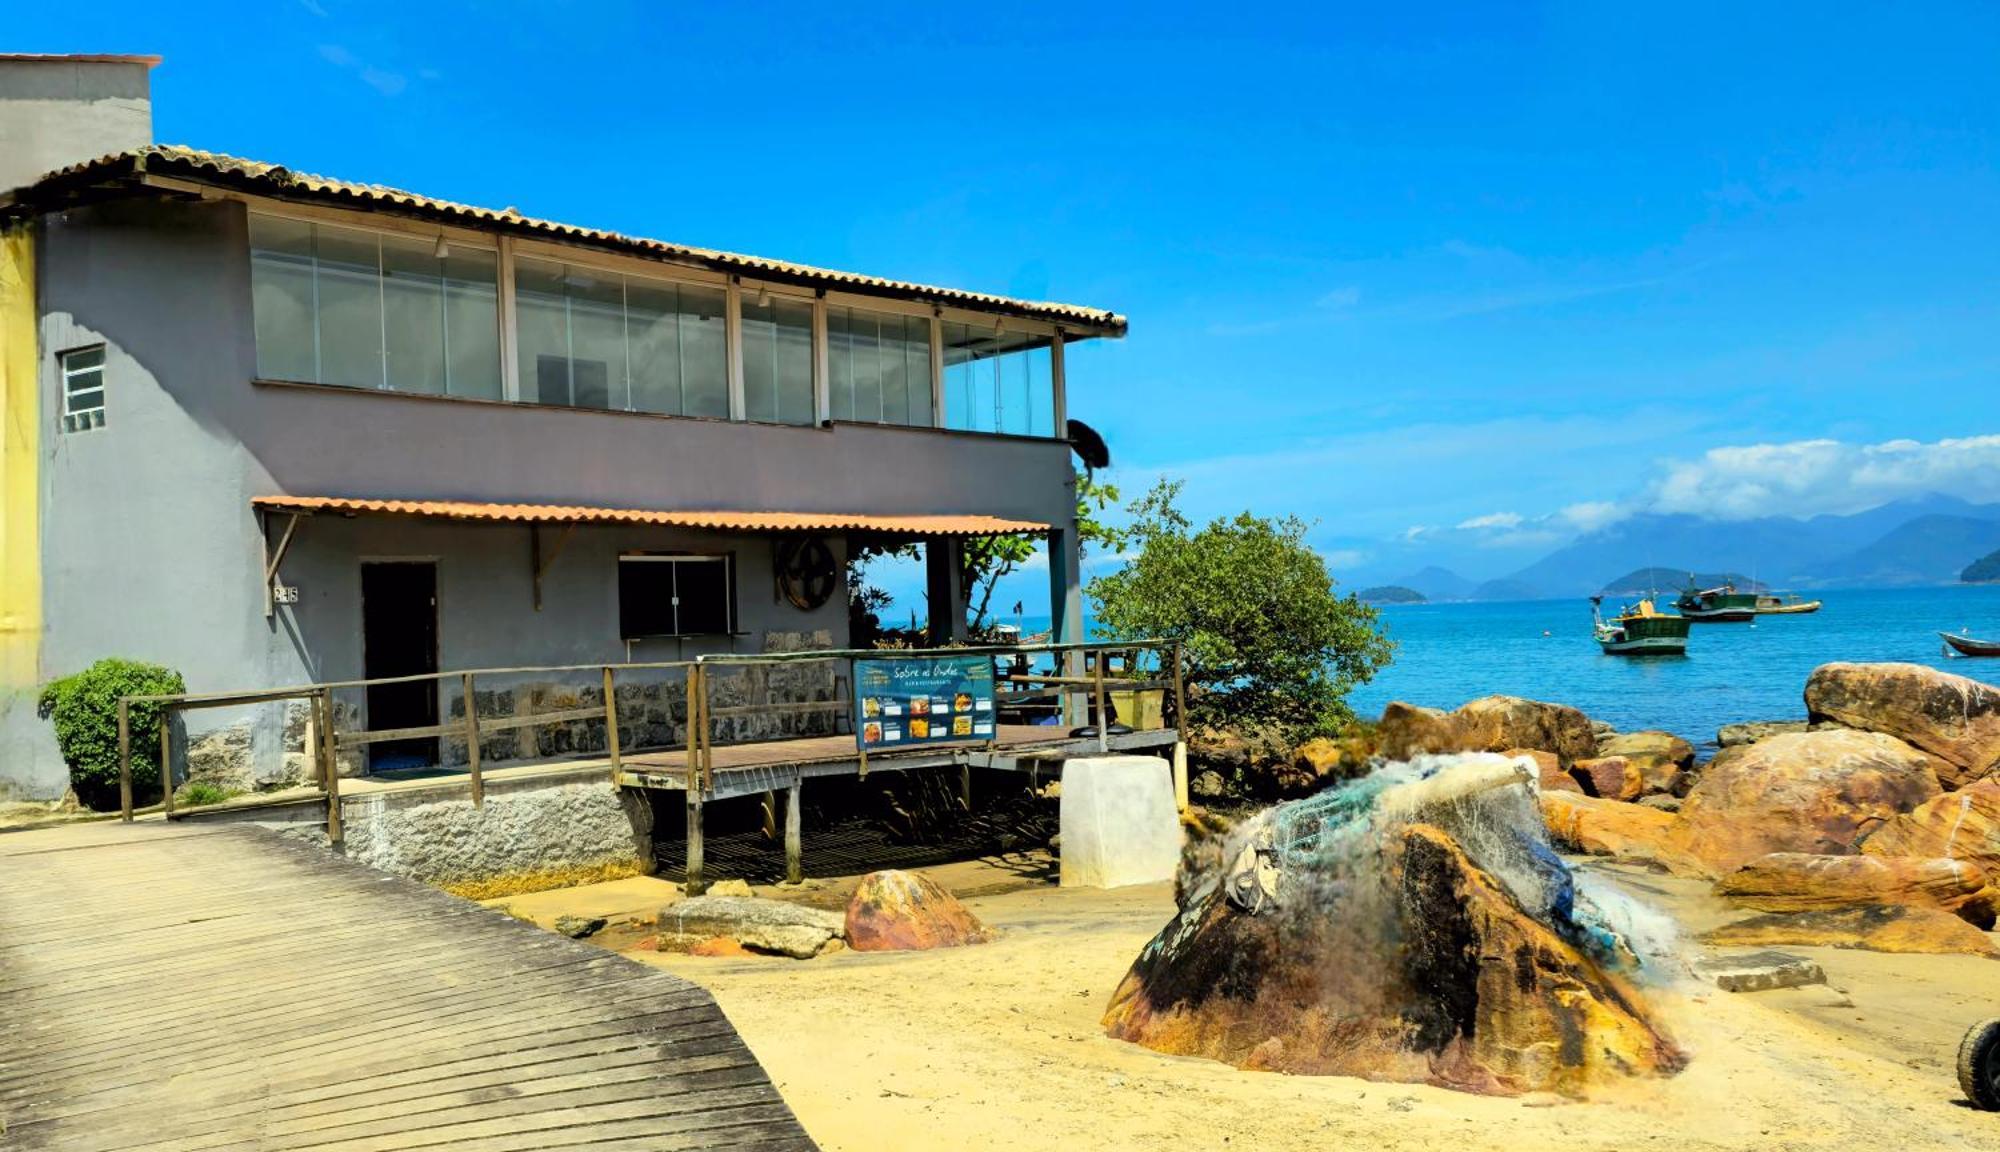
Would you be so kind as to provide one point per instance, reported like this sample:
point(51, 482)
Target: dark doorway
point(399, 638)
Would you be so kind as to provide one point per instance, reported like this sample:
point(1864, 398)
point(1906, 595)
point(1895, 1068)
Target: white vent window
point(83, 388)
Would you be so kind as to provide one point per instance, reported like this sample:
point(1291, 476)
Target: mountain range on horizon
point(1918, 541)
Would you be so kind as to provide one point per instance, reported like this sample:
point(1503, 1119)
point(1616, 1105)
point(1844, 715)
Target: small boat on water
point(1639, 630)
point(1722, 604)
point(1772, 604)
point(1967, 646)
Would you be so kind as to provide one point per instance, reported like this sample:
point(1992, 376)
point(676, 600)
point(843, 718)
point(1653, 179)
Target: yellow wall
point(20, 450)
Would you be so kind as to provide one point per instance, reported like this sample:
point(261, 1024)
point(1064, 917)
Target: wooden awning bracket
point(274, 557)
point(542, 563)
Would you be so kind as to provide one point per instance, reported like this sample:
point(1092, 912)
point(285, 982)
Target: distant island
point(1985, 570)
point(1392, 594)
point(1646, 581)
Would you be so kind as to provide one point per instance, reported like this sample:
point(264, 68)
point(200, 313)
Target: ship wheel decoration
point(806, 572)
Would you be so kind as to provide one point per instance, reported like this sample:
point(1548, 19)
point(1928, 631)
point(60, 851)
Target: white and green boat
point(1639, 630)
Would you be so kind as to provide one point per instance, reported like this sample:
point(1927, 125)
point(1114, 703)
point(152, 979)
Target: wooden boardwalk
point(181, 986)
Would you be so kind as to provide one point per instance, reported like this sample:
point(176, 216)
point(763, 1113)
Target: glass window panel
point(704, 352)
point(472, 323)
point(839, 365)
point(917, 370)
point(281, 298)
point(777, 359)
point(998, 381)
point(895, 382)
point(702, 587)
point(652, 328)
point(596, 338)
point(413, 315)
point(350, 308)
point(541, 323)
point(83, 359)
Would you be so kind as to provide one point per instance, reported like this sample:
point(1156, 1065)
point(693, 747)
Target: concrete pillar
point(1118, 822)
point(944, 590)
point(1066, 614)
point(795, 872)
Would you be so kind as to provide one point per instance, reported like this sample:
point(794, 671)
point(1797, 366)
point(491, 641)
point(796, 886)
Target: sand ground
point(999, 1046)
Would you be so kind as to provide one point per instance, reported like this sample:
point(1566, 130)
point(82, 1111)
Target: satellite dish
point(1089, 446)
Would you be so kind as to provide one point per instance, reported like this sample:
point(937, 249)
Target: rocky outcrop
point(896, 911)
point(760, 925)
point(1489, 724)
point(1797, 882)
point(1662, 759)
point(1596, 827)
point(1610, 777)
point(1815, 792)
point(1953, 718)
point(1548, 770)
point(1961, 825)
point(1322, 761)
point(1749, 732)
point(1479, 996)
point(1872, 927)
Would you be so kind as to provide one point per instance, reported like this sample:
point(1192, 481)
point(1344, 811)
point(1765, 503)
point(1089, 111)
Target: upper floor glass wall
point(998, 380)
point(777, 345)
point(880, 366)
point(368, 310)
point(593, 339)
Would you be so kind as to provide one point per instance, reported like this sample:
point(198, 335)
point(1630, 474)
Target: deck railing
point(1081, 679)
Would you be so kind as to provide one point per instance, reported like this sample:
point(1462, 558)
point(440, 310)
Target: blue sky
point(1522, 269)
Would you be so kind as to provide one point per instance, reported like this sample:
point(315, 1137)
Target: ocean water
point(1450, 653)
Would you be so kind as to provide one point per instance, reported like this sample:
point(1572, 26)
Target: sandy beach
point(999, 1046)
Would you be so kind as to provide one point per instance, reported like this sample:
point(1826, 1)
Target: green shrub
point(84, 709)
point(196, 793)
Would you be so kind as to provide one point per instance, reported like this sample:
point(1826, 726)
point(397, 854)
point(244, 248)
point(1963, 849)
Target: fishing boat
point(1967, 646)
point(1722, 604)
point(1772, 604)
point(1639, 630)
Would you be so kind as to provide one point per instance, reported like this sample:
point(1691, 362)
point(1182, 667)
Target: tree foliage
point(84, 710)
point(1265, 637)
point(990, 559)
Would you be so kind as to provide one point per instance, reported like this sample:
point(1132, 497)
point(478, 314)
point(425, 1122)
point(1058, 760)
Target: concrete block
point(1760, 971)
point(1119, 824)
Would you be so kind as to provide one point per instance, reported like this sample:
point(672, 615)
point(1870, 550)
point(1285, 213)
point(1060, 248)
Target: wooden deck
point(190, 986)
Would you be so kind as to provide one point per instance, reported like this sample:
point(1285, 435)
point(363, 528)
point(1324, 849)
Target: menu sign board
point(900, 703)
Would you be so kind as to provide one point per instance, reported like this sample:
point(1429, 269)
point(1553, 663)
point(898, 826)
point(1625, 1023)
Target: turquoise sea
point(1450, 653)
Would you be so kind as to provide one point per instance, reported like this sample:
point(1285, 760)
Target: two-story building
point(270, 428)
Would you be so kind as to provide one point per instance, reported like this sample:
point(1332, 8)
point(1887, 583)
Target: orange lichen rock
point(1816, 792)
point(895, 911)
point(1871, 927)
point(1799, 882)
point(1596, 827)
point(1611, 777)
point(1961, 825)
point(1432, 972)
point(1954, 718)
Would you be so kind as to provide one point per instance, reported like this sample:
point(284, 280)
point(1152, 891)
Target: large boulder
point(772, 926)
point(1660, 757)
point(1549, 772)
point(896, 911)
point(1489, 724)
point(1961, 825)
point(1798, 882)
point(1953, 718)
point(1610, 777)
point(1591, 826)
point(1751, 731)
point(1480, 995)
point(1872, 927)
point(1815, 792)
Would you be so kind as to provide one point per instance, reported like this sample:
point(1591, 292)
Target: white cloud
point(1340, 299)
point(1493, 520)
point(1345, 558)
point(1813, 477)
point(1590, 515)
point(1416, 532)
point(386, 82)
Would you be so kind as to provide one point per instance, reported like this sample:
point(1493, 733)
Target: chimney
point(56, 111)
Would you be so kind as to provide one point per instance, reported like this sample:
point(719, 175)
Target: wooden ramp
point(220, 987)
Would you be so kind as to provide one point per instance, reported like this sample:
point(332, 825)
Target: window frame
point(85, 419)
point(507, 248)
point(675, 558)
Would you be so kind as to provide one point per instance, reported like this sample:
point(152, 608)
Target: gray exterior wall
point(150, 549)
point(58, 112)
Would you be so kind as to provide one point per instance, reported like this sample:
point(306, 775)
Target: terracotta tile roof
point(278, 181)
point(955, 525)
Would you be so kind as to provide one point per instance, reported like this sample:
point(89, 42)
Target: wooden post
point(697, 725)
point(794, 850)
point(477, 782)
point(707, 735)
point(167, 761)
point(695, 885)
point(125, 760)
point(610, 718)
point(334, 835)
point(1097, 691)
point(1180, 776)
point(1180, 696)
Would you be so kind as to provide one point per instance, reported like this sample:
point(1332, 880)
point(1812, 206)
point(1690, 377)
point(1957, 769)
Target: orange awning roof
point(950, 525)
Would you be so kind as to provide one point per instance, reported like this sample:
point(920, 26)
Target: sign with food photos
point(911, 701)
